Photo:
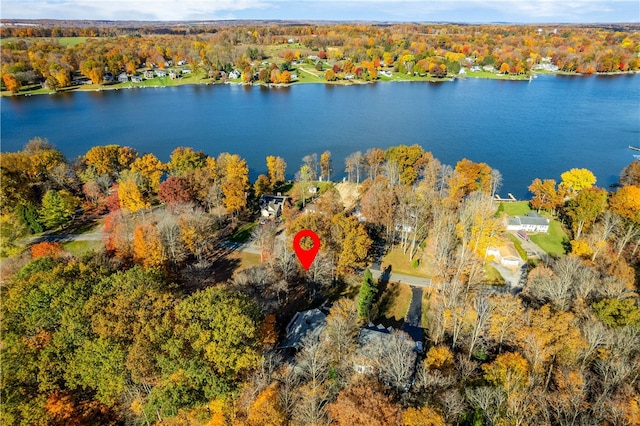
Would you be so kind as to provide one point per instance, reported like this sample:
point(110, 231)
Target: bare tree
point(482, 316)
point(283, 260)
point(396, 360)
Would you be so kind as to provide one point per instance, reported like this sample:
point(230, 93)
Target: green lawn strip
point(522, 252)
point(78, 248)
point(493, 75)
point(247, 260)
point(551, 242)
point(400, 263)
point(243, 233)
point(518, 208)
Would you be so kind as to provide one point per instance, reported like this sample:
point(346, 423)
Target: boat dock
point(510, 198)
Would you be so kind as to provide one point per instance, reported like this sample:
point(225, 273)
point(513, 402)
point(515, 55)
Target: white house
point(123, 78)
point(530, 222)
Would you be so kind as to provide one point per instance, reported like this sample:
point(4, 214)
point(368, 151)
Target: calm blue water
point(524, 129)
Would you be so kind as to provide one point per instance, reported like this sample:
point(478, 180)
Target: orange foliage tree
point(46, 249)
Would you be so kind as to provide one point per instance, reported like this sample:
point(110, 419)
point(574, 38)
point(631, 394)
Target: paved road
point(95, 235)
point(402, 278)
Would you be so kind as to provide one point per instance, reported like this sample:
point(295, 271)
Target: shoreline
point(207, 82)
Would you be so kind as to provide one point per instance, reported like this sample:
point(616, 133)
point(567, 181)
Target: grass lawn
point(247, 260)
point(394, 302)
point(493, 75)
point(400, 263)
point(78, 248)
point(517, 208)
point(552, 241)
point(243, 233)
point(493, 277)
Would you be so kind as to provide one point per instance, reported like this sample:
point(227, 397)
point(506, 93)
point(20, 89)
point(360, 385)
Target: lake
point(538, 128)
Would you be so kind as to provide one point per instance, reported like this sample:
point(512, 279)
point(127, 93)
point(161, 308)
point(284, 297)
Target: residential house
point(173, 74)
point(303, 326)
point(372, 340)
point(235, 74)
point(108, 77)
point(271, 205)
point(186, 71)
point(182, 63)
point(161, 73)
point(136, 79)
point(123, 78)
point(506, 255)
point(148, 74)
point(530, 222)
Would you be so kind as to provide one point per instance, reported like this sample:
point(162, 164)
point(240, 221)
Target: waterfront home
point(123, 78)
point(530, 222)
point(161, 73)
point(148, 74)
point(136, 79)
point(271, 205)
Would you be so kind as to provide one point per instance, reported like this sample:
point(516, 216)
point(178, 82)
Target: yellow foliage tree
point(147, 246)
point(439, 358)
point(626, 202)
point(575, 180)
point(235, 181)
point(510, 371)
point(276, 167)
point(425, 416)
point(266, 409)
point(151, 170)
point(130, 195)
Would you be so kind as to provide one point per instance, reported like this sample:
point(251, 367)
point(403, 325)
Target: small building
point(161, 73)
point(271, 205)
point(148, 74)
point(506, 255)
point(108, 77)
point(173, 75)
point(186, 71)
point(123, 78)
point(136, 79)
point(235, 74)
point(530, 222)
point(303, 326)
point(182, 63)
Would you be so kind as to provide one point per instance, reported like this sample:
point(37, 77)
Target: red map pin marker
point(306, 256)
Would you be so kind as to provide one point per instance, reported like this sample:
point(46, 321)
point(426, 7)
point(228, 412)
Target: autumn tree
point(110, 159)
point(545, 195)
point(147, 246)
point(130, 193)
point(235, 180)
point(575, 180)
point(46, 249)
point(151, 170)
point(276, 167)
point(584, 209)
point(630, 175)
point(174, 190)
point(626, 202)
point(184, 160)
point(11, 82)
point(364, 402)
point(325, 166)
point(266, 409)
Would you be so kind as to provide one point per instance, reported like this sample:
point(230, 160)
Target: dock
point(510, 198)
point(635, 148)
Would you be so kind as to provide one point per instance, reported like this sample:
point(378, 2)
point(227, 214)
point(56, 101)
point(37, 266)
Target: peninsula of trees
point(66, 55)
point(141, 292)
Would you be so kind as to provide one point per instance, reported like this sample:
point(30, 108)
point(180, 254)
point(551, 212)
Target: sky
point(473, 11)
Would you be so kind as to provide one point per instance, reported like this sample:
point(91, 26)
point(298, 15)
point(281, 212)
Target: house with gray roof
point(530, 222)
point(304, 325)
